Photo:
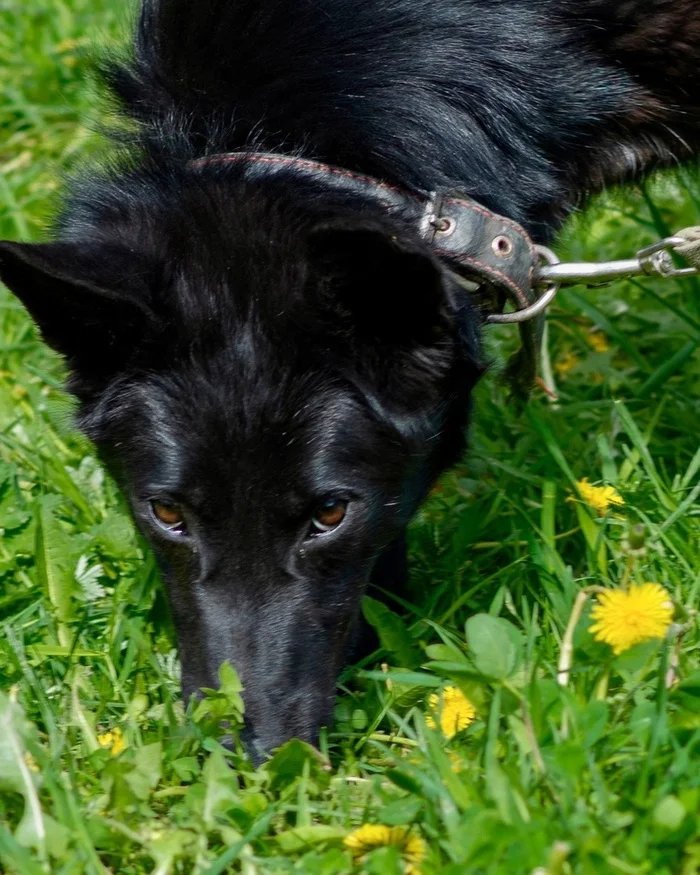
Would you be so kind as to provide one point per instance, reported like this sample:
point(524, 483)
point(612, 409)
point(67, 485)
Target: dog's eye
point(329, 515)
point(169, 516)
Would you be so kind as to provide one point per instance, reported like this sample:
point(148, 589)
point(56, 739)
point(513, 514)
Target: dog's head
point(276, 380)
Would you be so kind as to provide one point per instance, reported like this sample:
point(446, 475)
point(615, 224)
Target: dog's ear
point(393, 289)
point(89, 300)
point(391, 302)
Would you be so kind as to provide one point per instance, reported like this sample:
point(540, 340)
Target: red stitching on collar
point(256, 158)
point(488, 269)
point(311, 165)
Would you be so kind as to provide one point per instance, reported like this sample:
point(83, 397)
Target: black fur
point(247, 349)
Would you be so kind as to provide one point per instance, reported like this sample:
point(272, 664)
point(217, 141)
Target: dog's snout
point(296, 713)
point(287, 660)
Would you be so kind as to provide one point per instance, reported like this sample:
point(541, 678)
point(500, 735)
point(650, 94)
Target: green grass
point(598, 776)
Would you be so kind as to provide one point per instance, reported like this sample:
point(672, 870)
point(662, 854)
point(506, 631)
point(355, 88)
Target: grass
point(103, 770)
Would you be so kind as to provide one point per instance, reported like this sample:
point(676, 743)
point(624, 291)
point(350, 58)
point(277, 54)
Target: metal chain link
point(654, 261)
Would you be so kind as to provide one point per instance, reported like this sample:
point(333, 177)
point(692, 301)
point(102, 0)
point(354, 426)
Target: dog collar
point(492, 256)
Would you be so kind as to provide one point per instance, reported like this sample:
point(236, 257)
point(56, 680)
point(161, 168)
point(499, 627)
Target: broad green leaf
point(383, 861)
point(332, 862)
point(591, 721)
point(58, 836)
point(410, 678)
point(12, 853)
point(445, 652)
point(405, 781)
point(147, 769)
point(401, 812)
point(290, 762)
point(392, 632)
point(231, 686)
point(669, 813)
point(451, 669)
point(302, 838)
point(495, 645)
point(16, 775)
point(221, 788)
point(55, 563)
point(224, 704)
point(166, 847)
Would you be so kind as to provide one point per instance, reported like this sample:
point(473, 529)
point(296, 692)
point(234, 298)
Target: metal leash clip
point(550, 260)
point(654, 261)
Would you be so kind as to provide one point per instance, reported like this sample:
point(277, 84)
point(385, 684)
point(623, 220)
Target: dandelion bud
point(637, 537)
point(634, 543)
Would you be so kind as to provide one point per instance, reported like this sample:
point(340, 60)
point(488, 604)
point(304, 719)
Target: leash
point(492, 257)
point(653, 261)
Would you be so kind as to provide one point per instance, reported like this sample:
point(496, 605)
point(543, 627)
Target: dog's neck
point(526, 107)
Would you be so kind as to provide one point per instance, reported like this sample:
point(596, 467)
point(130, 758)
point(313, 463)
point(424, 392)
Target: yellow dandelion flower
point(376, 835)
point(456, 711)
point(113, 740)
point(31, 762)
point(566, 363)
point(456, 761)
point(624, 618)
point(598, 497)
point(67, 45)
point(598, 341)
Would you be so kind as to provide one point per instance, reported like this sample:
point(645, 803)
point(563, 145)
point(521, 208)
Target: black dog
point(278, 369)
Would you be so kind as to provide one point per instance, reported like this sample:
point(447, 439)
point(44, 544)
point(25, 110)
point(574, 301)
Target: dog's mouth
point(257, 752)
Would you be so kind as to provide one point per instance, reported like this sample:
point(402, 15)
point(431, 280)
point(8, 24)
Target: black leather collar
point(494, 254)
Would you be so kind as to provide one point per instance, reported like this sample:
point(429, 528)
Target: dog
point(275, 367)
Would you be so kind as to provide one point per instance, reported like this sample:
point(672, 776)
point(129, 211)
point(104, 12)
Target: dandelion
point(113, 740)
point(455, 711)
point(67, 45)
point(624, 618)
point(566, 363)
point(456, 761)
point(598, 497)
point(375, 835)
point(598, 341)
point(31, 762)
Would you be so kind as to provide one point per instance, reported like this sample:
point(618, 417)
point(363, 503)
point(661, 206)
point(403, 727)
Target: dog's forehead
point(251, 424)
point(244, 403)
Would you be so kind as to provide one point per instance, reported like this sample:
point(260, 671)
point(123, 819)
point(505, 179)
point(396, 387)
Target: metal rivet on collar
point(502, 246)
point(444, 226)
